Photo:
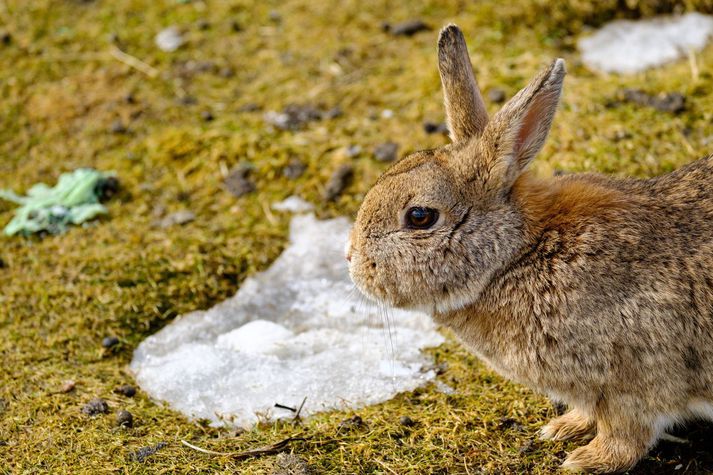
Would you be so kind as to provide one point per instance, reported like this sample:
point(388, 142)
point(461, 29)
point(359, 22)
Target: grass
point(60, 92)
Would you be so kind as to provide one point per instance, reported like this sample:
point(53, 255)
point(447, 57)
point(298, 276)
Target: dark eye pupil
point(421, 218)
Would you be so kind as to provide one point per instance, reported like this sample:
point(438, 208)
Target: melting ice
point(628, 47)
point(296, 330)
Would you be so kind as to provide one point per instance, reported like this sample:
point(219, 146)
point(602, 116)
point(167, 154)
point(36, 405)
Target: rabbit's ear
point(518, 131)
point(465, 109)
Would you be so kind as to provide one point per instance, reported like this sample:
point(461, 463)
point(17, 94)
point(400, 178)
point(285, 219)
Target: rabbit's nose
point(348, 250)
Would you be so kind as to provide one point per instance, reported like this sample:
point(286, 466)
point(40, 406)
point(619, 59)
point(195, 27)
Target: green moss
point(60, 91)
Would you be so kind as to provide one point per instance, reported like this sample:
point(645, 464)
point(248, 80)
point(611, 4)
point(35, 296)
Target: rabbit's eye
point(421, 218)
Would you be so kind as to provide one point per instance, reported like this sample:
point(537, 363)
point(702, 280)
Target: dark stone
point(406, 28)
point(117, 127)
point(144, 452)
point(386, 152)
point(294, 169)
point(673, 102)
point(496, 95)
point(95, 407)
point(238, 181)
point(126, 390)
point(435, 127)
point(110, 341)
point(106, 188)
point(339, 180)
point(124, 419)
point(406, 421)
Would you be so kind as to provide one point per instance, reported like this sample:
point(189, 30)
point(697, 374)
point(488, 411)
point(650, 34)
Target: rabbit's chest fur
point(615, 298)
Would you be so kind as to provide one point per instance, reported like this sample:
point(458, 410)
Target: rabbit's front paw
point(605, 455)
point(572, 425)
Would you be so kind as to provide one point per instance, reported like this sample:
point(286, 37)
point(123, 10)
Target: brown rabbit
point(593, 290)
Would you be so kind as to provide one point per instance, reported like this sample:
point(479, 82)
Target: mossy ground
point(60, 92)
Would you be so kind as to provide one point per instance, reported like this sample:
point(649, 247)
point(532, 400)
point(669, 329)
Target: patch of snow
point(169, 39)
point(293, 204)
point(298, 329)
point(627, 47)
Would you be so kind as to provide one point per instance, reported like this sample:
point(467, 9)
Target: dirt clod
point(238, 181)
point(673, 102)
point(144, 452)
point(406, 28)
point(496, 95)
point(294, 169)
point(110, 341)
point(124, 418)
point(386, 152)
point(291, 464)
point(95, 407)
point(435, 127)
point(339, 180)
point(126, 390)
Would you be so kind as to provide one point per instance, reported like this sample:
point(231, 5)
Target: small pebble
point(126, 390)
point(169, 39)
point(435, 127)
point(353, 151)
point(496, 95)
point(179, 217)
point(339, 180)
point(110, 341)
point(294, 169)
point(406, 421)
point(406, 28)
point(117, 127)
point(67, 387)
point(207, 116)
point(124, 419)
point(386, 152)
point(95, 406)
point(226, 72)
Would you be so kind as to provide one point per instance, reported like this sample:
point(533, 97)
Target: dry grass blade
point(265, 450)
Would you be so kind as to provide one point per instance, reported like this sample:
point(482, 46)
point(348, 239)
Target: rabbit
point(593, 290)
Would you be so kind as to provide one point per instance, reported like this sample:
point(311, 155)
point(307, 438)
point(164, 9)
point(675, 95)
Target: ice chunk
point(293, 204)
point(298, 329)
point(627, 47)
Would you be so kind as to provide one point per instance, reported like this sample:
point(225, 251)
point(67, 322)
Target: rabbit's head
point(439, 223)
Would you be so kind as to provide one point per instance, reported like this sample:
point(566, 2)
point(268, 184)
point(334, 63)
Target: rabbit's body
point(593, 290)
point(611, 299)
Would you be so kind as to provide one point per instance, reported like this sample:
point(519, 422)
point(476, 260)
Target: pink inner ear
point(531, 130)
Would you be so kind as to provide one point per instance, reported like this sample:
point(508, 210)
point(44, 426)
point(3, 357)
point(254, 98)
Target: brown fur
point(592, 290)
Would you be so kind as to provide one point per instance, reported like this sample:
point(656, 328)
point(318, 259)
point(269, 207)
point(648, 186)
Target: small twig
point(267, 450)
point(297, 415)
point(134, 62)
point(205, 451)
point(282, 406)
